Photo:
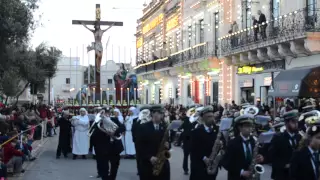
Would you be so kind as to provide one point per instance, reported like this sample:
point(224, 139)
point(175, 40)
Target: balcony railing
point(196, 52)
point(282, 29)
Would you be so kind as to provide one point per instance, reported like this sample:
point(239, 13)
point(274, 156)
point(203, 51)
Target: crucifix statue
point(97, 44)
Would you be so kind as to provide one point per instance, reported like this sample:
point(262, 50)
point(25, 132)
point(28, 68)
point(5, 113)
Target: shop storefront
point(254, 81)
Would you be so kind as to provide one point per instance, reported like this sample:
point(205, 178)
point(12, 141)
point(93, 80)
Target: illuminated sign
point(172, 23)
point(139, 42)
point(154, 23)
point(262, 67)
point(249, 69)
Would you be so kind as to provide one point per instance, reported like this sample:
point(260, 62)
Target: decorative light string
point(161, 89)
point(179, 85)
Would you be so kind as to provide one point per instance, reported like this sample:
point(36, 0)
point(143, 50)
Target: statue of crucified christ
point(97, 45)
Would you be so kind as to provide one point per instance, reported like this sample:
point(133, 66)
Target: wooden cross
point(101, 23)
point(98, 18)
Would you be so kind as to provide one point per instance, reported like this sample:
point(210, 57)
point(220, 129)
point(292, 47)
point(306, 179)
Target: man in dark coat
point(263, 25)
point(241, 149)
point(202, 140)
point(305, 162)
point(283, 145)
point(116, 149)
point(151, 137)
point(186, 126)
point(64, 135)
point(108, 148)
point(144, 116)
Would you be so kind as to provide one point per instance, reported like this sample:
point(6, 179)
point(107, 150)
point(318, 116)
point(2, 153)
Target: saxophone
point(162, 155)
point(255, 168)
point(215, 156)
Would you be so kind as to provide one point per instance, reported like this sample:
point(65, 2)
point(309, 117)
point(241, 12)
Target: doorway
point(215, 92)
point(147, 96)
point(247, 95)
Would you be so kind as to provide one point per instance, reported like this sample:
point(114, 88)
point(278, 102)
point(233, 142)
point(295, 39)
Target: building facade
point(70, 78)
point(207, 51)
point(286, 39)
point(186, 68)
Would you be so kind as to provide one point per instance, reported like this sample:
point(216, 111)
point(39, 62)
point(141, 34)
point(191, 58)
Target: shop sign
point(172, 23)
point(296, 88)
point(249, 69)
point(258, 68)
point(154, 23)
point(246, 83)
point(267, 81)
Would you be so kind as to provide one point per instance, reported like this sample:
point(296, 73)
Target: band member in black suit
point(305, 162)
point(107, 148)
point(116, 149)
point(239, 150)
point(202, 141)
point(64, 135)
point(144, 116)
point(152, 135)
point(283, 145)
point(186, 126)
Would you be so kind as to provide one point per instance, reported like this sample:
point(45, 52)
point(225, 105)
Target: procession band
point(242, 141)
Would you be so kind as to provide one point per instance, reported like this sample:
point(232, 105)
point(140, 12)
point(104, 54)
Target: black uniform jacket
point(187, 127)
point(301, 167)
point(280, 153)
point(134, 130)
point(102, 143)
point(235, 159)
point(201, 146)
point(150, 140)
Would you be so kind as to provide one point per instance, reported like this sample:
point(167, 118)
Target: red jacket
point(9, 151)
point(43, 113)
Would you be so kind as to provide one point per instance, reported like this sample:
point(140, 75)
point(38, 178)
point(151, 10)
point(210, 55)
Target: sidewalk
point(36, 149)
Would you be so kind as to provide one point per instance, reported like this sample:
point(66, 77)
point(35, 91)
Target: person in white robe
point(129, 144)
point(118, 114)
point(80, 142)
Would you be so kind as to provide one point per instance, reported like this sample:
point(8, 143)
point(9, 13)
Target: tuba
point(191, 112)
point(144, 116)
point(108, 126)
point(94, 125)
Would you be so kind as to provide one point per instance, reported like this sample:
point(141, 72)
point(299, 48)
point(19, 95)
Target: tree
point(29, 67)
point(16, 23)
point(21, 65)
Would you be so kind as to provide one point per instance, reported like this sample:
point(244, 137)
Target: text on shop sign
point(249, 70)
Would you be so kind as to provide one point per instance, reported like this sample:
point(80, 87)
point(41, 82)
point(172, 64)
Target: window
point(216, 32)
point(67, 80)
point(246, 14)
point(201, 22)
point(189, 35)
point(311, 7)
point(109, 81)
point(275, 8)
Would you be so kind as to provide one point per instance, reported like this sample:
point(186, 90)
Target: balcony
point(291, 35)
point(186, 56)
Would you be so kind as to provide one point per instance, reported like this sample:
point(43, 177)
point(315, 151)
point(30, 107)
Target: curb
point(37, 146)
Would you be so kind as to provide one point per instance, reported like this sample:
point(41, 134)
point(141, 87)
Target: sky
point(56, 29)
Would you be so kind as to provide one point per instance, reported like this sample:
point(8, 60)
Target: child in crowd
point(12, 157)
point(3, 170)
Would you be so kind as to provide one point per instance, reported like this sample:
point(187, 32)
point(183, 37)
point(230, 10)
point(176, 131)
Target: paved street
point(46, 167)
